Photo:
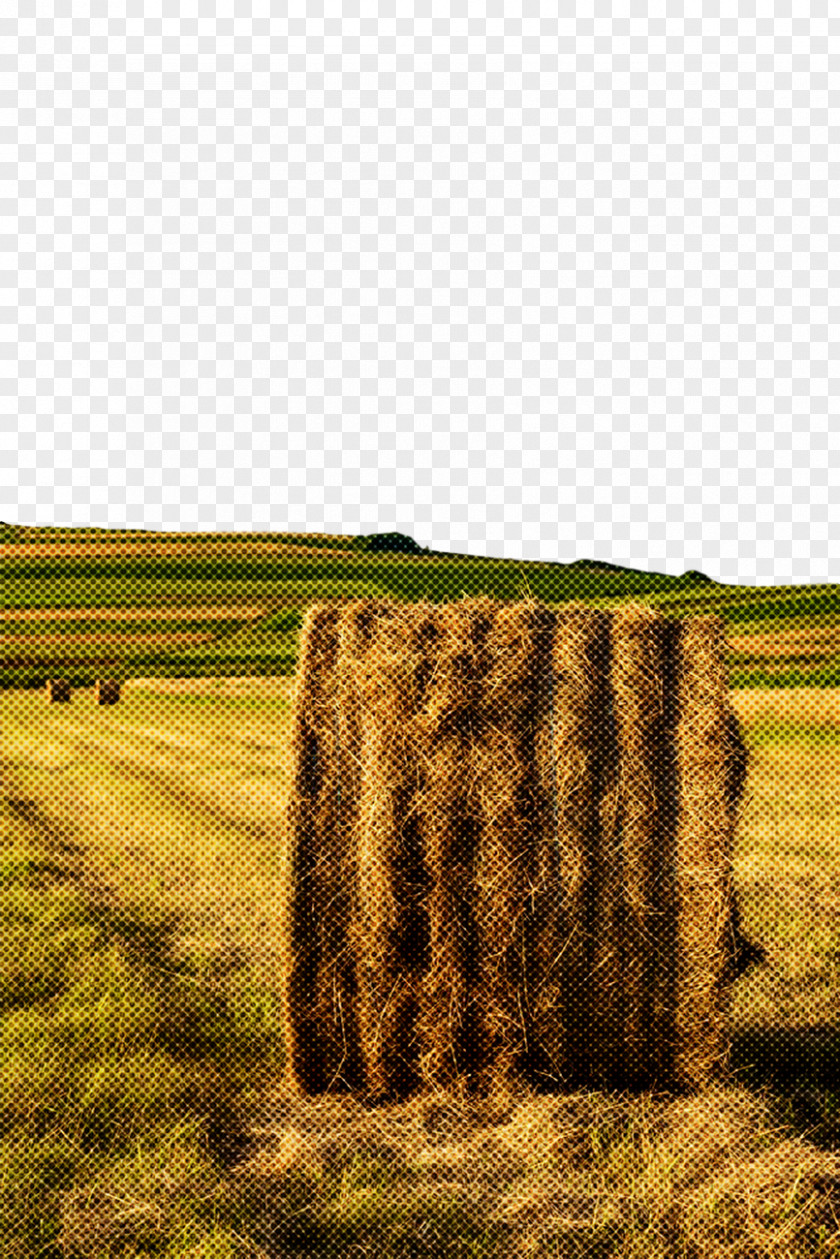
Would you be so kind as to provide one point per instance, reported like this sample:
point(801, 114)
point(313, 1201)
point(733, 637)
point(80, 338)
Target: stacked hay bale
point(511, 833)
point(58, 691)
point(107, 692)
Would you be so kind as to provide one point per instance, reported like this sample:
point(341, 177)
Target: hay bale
point(511, 827)
point(642, 677)
point(511, 835)
point(108, 692)
point(390, 939)
point(703, 851)
point(319, 1056)
point(577, 758)
point(58, 691)
point(448, 813)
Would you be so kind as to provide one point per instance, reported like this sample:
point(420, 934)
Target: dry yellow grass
point(257, 687)
point(717, 1176)
point(708, 1176)
point(818, 705)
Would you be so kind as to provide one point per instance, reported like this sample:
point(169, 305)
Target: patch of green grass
point(111, 1048)
point(764, 676)
point(368, 1206)
point(778, 731)
point(122, 587)
point(274, 660)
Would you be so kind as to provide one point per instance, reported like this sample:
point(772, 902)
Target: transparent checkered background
point(546, 287)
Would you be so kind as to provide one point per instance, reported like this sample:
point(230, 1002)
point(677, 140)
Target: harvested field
point(136, 612)
point(159, 550)
point(180, 789)
point(177, 791)
point(804, 704)
point(256, 687)
point(92, 637)
point(787, 642)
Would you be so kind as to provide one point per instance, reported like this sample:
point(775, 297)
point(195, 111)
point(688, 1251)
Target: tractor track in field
point(85, 829)
point(45, 832)
point(91, 827)
point(171, 784)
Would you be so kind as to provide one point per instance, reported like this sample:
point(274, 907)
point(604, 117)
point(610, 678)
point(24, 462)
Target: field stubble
point(180, 790)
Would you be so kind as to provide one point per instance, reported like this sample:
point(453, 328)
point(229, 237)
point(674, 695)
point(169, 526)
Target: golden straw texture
point(642, 680)
point(510, 822)
point(577, 755)
point(391, 936)
point(448, 1017)
point(314, 1037)
point(511, 833)
point(704, 840)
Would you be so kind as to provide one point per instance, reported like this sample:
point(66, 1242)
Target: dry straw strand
point(741, 952)
point(704, 842)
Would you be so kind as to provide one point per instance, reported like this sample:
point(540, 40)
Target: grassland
point(190, 605)
point(142, 893)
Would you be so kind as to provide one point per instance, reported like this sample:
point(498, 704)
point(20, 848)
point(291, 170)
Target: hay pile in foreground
point(582, 1174)
point(511, 833)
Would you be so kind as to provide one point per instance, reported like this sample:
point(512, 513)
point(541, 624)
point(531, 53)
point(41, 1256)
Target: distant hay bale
point(58, 691)
point(108, 692)
point(511, 833)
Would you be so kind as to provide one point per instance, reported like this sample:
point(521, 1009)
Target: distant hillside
point(91, 602)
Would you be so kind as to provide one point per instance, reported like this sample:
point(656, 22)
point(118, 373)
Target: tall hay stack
point(511, 831)
point(58, 691)
point(107, 692)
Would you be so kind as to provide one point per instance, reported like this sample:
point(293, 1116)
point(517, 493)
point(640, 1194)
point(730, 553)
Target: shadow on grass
point(48, 834)
point(800, 1067)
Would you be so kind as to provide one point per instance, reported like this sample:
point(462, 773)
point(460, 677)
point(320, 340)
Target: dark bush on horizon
point(397, 542)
